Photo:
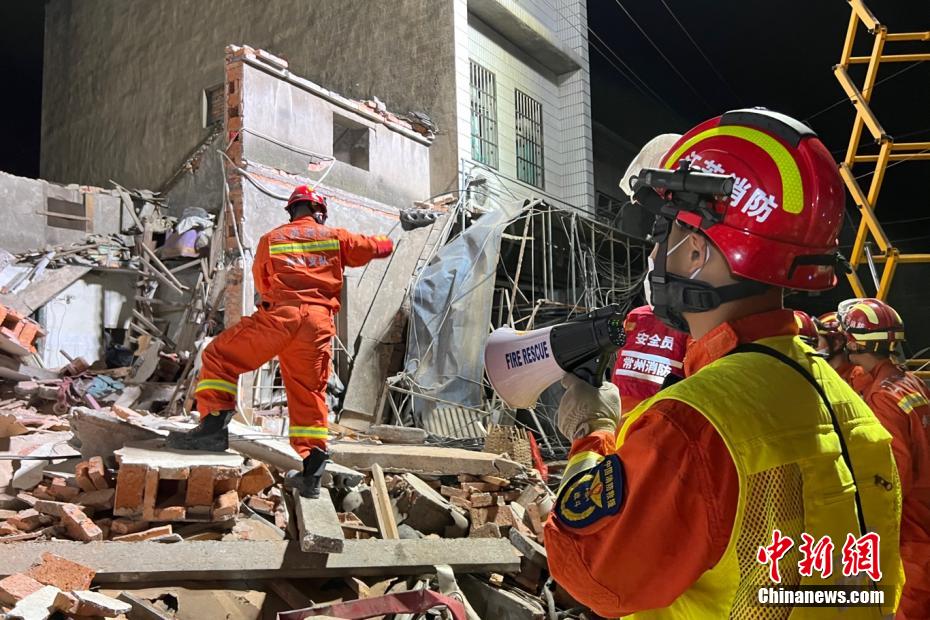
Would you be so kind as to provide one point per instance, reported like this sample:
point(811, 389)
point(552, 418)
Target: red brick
point(130, 485)
point(61, 573)
point(226, 479)
point(226, 505)
point(28, 520)
point(16, 587)
point(533, 520)
point(453, 492)
point(261, 505)
point(97, 473)
point(500, 515)
point(200, 487)
point(461, 502)
point(479, 487)
point(155, 532)
point(101, 499)
point(8, 530)
point(170, 513)
point(59, 490)
point(82, 478)
point(255, 480)
point(126, 526)
point(150, 495)
point(480, 500)
point(488, 530)
point(78, 525)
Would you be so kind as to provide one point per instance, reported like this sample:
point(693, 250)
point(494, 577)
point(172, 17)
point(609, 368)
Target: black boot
point(308, 482)
point(211, 435)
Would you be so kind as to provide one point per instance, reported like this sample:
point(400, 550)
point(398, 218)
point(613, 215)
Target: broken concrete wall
point(283, 118)
point(75, 319)
point(200, 183)
point(26, 227)
point(133, 74)
point(283, 108)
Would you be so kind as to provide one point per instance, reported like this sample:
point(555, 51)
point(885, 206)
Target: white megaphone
point(521, 364)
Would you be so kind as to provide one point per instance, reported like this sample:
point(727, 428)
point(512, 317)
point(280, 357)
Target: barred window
point(530, 168)
point(483, 116)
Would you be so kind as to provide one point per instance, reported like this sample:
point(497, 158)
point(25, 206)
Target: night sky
point(774, 54)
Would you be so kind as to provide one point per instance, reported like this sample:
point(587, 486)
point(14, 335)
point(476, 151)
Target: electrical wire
point(712, 66)
point(664, 57)
point(623, 73)
point(909, 157)
point(645, 86)
point(865, 92)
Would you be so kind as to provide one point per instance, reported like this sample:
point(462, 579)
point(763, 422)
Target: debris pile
point(442, 516)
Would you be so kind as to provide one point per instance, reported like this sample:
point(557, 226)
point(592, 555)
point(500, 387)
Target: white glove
point(585, 408)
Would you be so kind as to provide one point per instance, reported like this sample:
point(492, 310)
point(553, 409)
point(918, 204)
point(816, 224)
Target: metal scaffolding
point(889, 151)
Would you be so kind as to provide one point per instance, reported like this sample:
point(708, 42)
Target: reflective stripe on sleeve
point(217, 384)
point(578, 463)
point(304, 247)
point(911, 402)
point(313, 432)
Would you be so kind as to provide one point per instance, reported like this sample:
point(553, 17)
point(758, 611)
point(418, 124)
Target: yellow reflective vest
point(792, 477)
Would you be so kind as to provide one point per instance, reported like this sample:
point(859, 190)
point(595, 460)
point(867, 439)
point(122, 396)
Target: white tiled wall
point(565, 99)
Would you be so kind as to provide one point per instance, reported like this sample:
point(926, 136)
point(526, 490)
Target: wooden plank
point(209, 560)
point(383, 508)
point(155, 261)
point(317, 524)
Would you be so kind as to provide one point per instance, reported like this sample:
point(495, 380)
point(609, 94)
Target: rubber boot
point(211, 435)
point(308, 481)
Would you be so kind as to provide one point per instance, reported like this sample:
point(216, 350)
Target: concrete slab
point(432, 460)
point(154, 454)
point(210, 560)
point(318, 524)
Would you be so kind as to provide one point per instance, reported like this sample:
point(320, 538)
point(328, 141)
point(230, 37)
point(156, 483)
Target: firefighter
point(665, 516)
point(651, 358)
point(832, 345)
point(807, 329)
point(874, 331)
point(298, 274)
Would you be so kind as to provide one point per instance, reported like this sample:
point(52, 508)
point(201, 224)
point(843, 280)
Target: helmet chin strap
point(673, 295)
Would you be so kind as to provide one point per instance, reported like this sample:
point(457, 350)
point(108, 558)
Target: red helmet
point(303, 193)
point(828, 327)
point(779, 225)
point(806, 328)
point(870, 325)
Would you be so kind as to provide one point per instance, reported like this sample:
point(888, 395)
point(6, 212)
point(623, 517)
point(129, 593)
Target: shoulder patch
point(592, 494)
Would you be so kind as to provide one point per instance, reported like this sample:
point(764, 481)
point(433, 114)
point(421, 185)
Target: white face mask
point(647, 286)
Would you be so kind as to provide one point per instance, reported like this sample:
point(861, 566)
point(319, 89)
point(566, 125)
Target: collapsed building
point(110, 294)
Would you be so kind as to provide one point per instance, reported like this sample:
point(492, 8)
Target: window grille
point(530, 167)
point(483, 116)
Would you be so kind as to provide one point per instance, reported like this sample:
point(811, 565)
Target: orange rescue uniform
point(849, 372)
point(681, 491)
point(901, 402)
point(298, 273)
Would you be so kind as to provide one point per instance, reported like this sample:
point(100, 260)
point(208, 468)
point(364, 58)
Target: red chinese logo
point(859, 555)
point(817, 556)
point(774, 552)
